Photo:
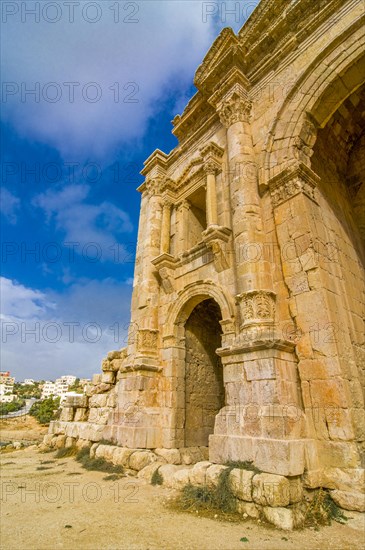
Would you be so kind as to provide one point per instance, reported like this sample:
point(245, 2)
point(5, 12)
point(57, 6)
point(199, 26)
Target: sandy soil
point(50, 503)
point(22, 428)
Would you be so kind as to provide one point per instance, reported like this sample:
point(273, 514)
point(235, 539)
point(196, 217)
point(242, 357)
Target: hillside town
point(12, 391)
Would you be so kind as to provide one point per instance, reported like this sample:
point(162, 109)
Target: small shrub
point(157, 478)
point(66, 452)
point(321, 510)
point(97, 464)
point(196, 497)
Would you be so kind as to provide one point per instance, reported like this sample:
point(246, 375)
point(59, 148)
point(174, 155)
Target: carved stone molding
point(294, 179)
point(257, 306)
point(166, 279)
point(216, 238)
point(147, 340)
point(153, 186)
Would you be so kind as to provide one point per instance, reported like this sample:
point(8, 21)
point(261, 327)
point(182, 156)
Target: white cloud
point(102, 225)
point(47, 334)
point(158, 55)
point(9, 205)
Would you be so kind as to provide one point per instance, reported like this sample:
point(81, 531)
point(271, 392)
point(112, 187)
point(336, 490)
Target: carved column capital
point(211, 167)
point(184, 205)
point(154, 186)
point(234, 108)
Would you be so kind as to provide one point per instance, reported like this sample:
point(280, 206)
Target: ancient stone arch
point(327, 81)
point(192, 295)
point(253, 171)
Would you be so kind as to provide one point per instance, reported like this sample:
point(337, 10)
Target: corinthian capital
point(153, 186)
point(211, 167)
point(234, 108)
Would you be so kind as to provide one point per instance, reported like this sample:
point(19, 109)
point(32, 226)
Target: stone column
point(183, 226)
point(165, 227)
point(253, 270)
point(211, 169)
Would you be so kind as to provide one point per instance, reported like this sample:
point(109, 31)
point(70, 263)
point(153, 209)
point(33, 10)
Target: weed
point(66, 452)
point(97, 464)
point(156, 478)
point(321, 510)
point(111, 477)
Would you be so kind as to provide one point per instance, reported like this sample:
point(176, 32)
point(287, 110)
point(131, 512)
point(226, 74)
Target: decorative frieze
point(295, 179)
point(147, 340)
point(257, 306)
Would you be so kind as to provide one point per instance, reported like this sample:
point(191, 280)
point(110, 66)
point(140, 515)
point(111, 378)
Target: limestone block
point(67, 414)
point(295, 490)
point(60, 442)
point(121, 456)
point(72, 429)
point(240, 482)
point(198, 473)
point(113, 355)
point(148, 471)
point(98, 400)
point(181, 478)
point(48, 439)
point(140, 459)
point(70, 441)
point(338, 454)
point(106, 452)
point(171, 456)
point(270, 490)
point(83, 443)
point(167, 471)
point(279, 456)
point(93, 432)
point(190, 455)
point(108, 377)
point(58, 428)
point(103, 387)
point(81, 415)
point(93, 448)
point(96, 379)
point(349, 500)
point(213, 473)
point(248, 508)
point(77, 401)
point(344, 479)
point(283, 518)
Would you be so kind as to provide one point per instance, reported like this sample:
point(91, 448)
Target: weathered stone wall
point(273, 143)
point(204, 391)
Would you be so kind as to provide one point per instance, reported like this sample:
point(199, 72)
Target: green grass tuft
point(97, 464)
point(157, 478)
point(66, 452)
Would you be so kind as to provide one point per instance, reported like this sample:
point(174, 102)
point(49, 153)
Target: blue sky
point(89, 90)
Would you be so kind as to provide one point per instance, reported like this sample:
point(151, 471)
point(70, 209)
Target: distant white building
point(59, 388)
point(48, 389)
point(8, 398)
point(28, 382)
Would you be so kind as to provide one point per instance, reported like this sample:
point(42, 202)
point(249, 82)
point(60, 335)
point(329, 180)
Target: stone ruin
point(247, 338)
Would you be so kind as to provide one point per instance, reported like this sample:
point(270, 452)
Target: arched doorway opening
point(204, 388)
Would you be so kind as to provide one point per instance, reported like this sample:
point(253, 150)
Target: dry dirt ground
point(49, 503)
point(22, 428)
